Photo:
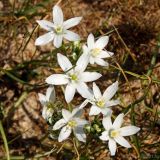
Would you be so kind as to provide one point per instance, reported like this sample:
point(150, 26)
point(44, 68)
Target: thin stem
point(4, 140)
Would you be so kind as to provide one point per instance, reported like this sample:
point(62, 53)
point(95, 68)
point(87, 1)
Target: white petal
point(42, 98)
point(69, 92)
point(104, 136)
point(83, 90)
point(50, 94)
point(90, 41)
point(59, 124)
point(112, 103)
point(112, 146)
point(64, 62)
point(101, 62)
point(58, 41)
point(85, 49)
point(128, 130)
point(64, 134)
point(66, 115)
point(107, 123)
point(71, 36)
point(72, 22)
point(105, 54)
point(46, 24)
point(84, 104)
point(106, 111)
point(92, 60)
point(80, 134)
point(94, 110)
point(102, 42)
point(122, 141)
point(44, 39)
point(110, 91)
point(77, 112)
point(90, 76)
point(57, 79)
point(81, 122)
point(82, 62)
point(57, 15)
point(96, 91)
point(118, 121)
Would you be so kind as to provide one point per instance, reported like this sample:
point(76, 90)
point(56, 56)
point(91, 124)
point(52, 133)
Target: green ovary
point(72, 123)
point(113, 133)
point(59, 30)
point(95, 52)
point(100, 103)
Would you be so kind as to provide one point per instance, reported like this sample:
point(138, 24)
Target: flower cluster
point(75, 79)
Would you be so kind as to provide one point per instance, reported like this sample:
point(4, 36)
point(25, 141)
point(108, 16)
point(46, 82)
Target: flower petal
point(112, 103)
point(106, 111)
point(57, 15)
point(72, 22)
point(46, 24)
point(44, 39)
point(101, 62)
point(71, 36)
point(82, 63)
point(90, 76)
point(94, 110)
point(66, 115)
point(102, 42)
point(105, 54)
point(129, 130)
point(58, 41)
point(59, 124)
point(110, 91)
point(42, 99)
point(104, 136)
point(69, 92)
point(57, 79)
point(84, 104)
point(122, 141)
point(107, 123)
point(80, 134)
point(118, 121)
point(50, 94)
point(64, 62)
point(77, 112)
point(83, 90)
point(112, 146)
point(96, 91)
point(64, 133)
point(90, 41)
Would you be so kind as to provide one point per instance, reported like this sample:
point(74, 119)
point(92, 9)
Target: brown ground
point(138, 27)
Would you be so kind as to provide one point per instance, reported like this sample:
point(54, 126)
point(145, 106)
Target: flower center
point(72, 123)
point(95, 52)
point(73, 77)
point(49, 105)
point(100, 103)
point(59, 30)
point(113, 133)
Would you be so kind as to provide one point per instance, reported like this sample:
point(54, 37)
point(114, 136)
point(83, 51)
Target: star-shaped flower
point(115, 133)
point(96, 50)
point(58, 29)
point(47, 102)
point(74, 77)
point(101, 103)
point(71, 121)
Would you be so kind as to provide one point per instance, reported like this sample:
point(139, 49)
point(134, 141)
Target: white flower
point(47, 102)
point(74, 77)
point(58, 29)
point(95, 50)
point(101, 103)
point(114, 133)
point(71, 121)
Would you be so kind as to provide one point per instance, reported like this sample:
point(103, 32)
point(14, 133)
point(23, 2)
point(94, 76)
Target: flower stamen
point(95, 52)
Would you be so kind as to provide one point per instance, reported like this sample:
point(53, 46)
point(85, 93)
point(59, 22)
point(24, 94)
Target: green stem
point(4, 140)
